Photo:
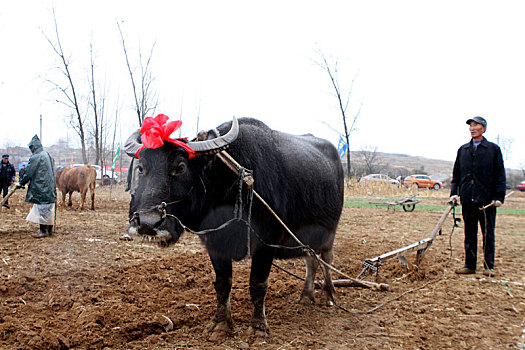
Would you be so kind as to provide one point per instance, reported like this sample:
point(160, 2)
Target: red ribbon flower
point(155, 131)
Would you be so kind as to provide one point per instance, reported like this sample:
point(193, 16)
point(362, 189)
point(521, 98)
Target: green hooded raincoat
point(40, 175)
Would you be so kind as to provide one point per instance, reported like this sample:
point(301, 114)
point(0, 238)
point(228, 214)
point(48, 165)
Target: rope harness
point(237, 211)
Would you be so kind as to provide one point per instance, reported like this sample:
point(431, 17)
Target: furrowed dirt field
point(83, 288)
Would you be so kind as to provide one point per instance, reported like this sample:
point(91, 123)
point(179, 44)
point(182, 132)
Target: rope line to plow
point(442, 277)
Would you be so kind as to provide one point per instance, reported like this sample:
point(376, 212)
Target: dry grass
point(384, 189)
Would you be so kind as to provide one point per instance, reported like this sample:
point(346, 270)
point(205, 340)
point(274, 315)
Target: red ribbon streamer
point(155, 131)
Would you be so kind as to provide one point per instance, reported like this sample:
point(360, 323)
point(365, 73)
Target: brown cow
point(78, 179)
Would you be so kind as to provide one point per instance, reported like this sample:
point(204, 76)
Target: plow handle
point(9, 194)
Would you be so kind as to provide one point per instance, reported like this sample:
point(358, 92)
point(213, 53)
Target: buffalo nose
point(148, 222)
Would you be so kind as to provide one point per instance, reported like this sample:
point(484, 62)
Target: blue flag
point(342, 147)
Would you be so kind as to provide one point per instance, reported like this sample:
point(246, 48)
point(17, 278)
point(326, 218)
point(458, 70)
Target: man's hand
point(454, 199)
point(19, 186)
point(497, 203)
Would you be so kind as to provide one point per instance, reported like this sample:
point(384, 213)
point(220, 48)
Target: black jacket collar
point(483, 143)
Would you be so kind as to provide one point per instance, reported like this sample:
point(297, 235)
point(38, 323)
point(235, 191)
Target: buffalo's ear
point(201, 136)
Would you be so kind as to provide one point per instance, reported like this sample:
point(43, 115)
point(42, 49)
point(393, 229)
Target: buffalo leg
point(82, 199)
point(70, 202)
point(222, 321)
point(328, 286)
point(64, 199)
point(260, 270)
point(307, 296)
point(92, 199)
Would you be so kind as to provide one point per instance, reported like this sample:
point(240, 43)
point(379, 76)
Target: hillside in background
point(393, 164)
point(418, 164)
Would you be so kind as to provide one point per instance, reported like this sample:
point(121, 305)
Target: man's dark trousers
point(5, 189)
point(472, 215)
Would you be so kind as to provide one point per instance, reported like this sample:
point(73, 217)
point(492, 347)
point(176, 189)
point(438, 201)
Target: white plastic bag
point(43, 214)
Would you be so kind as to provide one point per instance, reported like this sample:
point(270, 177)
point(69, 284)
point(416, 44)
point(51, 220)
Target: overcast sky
point(421, 68)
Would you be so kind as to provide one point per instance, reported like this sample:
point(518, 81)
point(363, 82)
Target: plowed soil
point(83, 288)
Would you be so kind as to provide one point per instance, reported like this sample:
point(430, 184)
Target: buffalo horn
point(217, 144)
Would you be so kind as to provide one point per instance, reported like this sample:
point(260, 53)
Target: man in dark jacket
point(478, 181)
point(21, 172)
point(42, 190)
point(7, 176)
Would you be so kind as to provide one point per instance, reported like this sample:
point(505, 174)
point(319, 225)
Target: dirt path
point(83, 288)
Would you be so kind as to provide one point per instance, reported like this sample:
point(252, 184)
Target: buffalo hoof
point(327, 297)
point(327, 301)
point(218, 331)
point(307, 300)
point(260, 330)
point(126, 237)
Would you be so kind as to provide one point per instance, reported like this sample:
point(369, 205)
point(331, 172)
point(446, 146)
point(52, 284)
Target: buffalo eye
point(179, 170)
point(140, 169)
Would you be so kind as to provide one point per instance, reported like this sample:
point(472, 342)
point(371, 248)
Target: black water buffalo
point(300, 177)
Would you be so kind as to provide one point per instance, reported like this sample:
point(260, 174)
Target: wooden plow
point(408, 203)
point(420, 247)
point(9, 194)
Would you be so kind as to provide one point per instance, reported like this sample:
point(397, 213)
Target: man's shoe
point(465, 271)
point(40, 234)
point(489, 272)
point(43, 232)
point(7, 206)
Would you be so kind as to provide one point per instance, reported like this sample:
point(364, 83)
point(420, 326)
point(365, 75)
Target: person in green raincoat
point(41, 191)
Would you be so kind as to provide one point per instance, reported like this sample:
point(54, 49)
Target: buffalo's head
point(171, 191)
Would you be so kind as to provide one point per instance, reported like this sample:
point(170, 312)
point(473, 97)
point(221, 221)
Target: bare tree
point(115, 126)
point(180, 112)
point(97, 103)
point(146, 100)
point(68, 91)
point(505, 144)
point(522, 168)
point(371, 161)
point(198, 114)
point(348, 124)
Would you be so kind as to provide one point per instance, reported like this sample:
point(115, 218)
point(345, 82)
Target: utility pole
point(40, 127)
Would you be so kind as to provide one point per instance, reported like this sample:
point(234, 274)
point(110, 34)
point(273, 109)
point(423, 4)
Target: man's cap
point(5, 155)
point(478, 120)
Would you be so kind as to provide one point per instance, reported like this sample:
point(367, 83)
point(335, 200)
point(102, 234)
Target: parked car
point(378, 178)
point(422, 181)
point(521, 186)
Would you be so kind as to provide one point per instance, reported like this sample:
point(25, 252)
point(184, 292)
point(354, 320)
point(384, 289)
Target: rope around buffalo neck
point(237, 212)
